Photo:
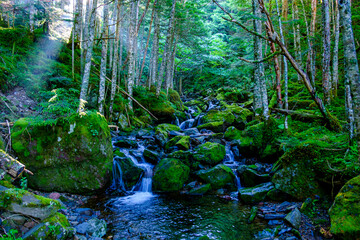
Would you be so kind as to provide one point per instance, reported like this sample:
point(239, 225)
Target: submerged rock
point(345, 211)
point(73, 155)
point(217, 176)
point(170, 175)
point(255, 194)
point(210, 153)
point(94, 228)
point(200, 190)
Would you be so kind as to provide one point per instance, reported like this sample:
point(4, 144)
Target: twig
point(9, 107)
point(333, 169)
point(28, 171)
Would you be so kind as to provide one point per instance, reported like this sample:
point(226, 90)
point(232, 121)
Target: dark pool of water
point(150, 216)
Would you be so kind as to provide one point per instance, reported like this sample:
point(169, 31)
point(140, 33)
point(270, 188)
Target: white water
point(187, 124)
point(229, 161)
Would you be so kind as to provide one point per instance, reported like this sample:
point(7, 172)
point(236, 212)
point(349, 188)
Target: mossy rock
point(158, 105)
point(162, 132)
point(213, 126)
point(187, 157)
point(53, 228)
point(130, 172)
point(23, 202)
point(232, 133)
point(242, 115)
point(72, 154)
point(218, 176)
point(255, 194)
point(195, 102)
point(174, 98)
point(209, 153)
point(182, 142)
point(200, 190)
point(345, 211)
point(170, 175)
point(219, 116)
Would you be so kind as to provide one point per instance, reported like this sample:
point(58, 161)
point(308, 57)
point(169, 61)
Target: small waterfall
point(229, 161)
point(212, 105)
point(187, 124)
point(117, 176)
point(146, 181)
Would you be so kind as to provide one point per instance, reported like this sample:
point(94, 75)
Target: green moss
point(170, 175)
point(232, 133)
point(217, 176)
point(186, 157)
point(174, 97)
point(213, 126)
point(219, 116)
point(118, 153)
point(182, 142)
point(345, 211)
point(55, 151)
point(209, 153)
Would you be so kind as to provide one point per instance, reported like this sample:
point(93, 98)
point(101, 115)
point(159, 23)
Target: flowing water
point(145, 215)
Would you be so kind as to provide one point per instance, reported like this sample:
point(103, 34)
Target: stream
point(142, 214)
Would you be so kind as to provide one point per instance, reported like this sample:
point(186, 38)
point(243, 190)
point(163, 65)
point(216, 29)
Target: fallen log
point(10, 165)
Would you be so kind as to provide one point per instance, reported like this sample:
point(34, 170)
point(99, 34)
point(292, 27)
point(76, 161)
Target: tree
point(326, 81)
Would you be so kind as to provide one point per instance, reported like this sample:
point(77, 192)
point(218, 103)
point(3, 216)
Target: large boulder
point(20, 201)
point(216, 120)
point(255, 194)
point(345, 211)
point(242, 115)
point(250, 177)
point(209, 153)
point(72, 154)
point(217, 176)
point(130, 172)
point(170, 175)
point(187, 157)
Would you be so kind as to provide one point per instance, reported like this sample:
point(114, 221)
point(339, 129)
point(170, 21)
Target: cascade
point(117, 176)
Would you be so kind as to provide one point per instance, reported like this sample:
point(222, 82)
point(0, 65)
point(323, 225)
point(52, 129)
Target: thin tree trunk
point(78, 22)
point(260, 95)
point(326, 52)
point(297, 40)
point(285, 67)
point(131, 52)
point(115, 59)
point(148, 39)
point(166, 49)
point(85, 79)
point(335, 70)
point(135, 39)
point(351, 63)
point(155, 50)
point(173, 56)
point(85, 37)
point(104, 49)
point(312, 36)
point(169, 60)
point(31, 14)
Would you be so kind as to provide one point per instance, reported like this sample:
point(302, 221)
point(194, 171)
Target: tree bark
point(312, 36)
point(335, 70)
point(104, 49)
point(155, 51)
point(351, 63)
point(10, 165)
point(166, 53)
point(131, 52)
point(31, 15)
point(85, 79)
point(116, 57)
point(326, 52)
point(78, 22)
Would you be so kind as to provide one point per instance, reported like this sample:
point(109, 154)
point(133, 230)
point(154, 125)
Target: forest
point(179, 119)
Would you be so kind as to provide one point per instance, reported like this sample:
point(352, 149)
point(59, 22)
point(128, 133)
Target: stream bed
point(151, 216)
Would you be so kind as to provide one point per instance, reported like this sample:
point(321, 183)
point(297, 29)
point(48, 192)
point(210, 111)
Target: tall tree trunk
point(31, 14)
point(155, 51)
point(166, 53)
point(135, 39)
point(335, 70)
point(86, 75)
point(312, 35)
point(260, 95)
point(85, 37)
point(285, 67)
point(78, 22)
point(297, 39)
point(285, 9)
point(173, 56)
point(169, 60)
point(351, 63)
point(116, 57)
point(326, 52)
point(104, 49)
point(131, 51)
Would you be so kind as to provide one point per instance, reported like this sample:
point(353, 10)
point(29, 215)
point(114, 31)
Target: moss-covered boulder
point(200, 189)
point(131, 173)
point(175, 99)
point(20, 201)
point(209, 153)
point(255, 194)
point(219, 116)
point(162, 132)
point(53, 228)
point(170, 175)
point(213, 126)
point(232, 133)
point(151, 156)
point(345, 211)
point(182, 142)
point(160, 106)
point(218, 176)
point(72, 154)
point(250, 177)
point(242, 115)
point(187, 157)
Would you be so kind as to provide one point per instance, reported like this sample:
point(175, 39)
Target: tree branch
point(270, 56)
